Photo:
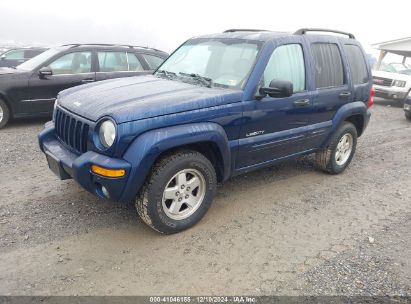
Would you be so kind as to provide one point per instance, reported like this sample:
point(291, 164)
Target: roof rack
point(243, 30)
point(112, 44)
point(305, 30)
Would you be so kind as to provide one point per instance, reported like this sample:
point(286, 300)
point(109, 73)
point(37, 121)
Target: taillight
point(371, 99)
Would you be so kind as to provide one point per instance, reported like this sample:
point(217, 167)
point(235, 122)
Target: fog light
point(105, 191)
point(407, 107)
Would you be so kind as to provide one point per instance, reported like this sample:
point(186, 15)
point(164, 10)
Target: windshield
point(34, 62)
point(221, 62)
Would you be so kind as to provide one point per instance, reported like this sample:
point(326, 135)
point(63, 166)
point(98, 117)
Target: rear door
point(117, 64)
point(69, 70)
point(333, 89)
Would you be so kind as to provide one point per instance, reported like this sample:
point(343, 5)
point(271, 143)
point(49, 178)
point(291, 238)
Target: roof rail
point(112, 44)
point(305, 30)
point(243, 30)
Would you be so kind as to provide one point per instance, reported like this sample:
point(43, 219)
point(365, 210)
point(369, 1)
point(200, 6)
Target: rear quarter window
point(153, 61)
point(329, 71)
point(357, 63)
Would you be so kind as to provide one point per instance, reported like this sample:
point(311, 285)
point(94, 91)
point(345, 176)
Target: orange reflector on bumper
point(108, 172)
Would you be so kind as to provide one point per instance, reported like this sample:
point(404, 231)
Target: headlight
point(399, 83)
point(107, 133)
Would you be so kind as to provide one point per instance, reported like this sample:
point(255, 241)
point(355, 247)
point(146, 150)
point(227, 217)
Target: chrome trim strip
point(36, 100)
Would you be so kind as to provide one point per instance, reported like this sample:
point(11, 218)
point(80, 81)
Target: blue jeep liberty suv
point(219, 106)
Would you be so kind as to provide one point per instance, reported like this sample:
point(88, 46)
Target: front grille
point(73, 132)
point(382, 81)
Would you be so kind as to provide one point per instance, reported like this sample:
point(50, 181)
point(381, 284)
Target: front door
point(69, 70)
point(278, 127)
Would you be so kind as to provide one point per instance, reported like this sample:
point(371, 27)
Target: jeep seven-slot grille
point(382, 81)
point(72, 132)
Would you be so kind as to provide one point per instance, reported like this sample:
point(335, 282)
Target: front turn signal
point(108, 172)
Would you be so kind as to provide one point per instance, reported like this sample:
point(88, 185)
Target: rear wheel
point(338, 154)
point(4, 114)
point(178, 192)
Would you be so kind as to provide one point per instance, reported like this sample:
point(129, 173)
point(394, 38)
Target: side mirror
point(278, 88)
point(44, 72)
point(3, 57)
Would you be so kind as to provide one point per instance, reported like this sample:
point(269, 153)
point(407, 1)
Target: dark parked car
point(14, 57)
point(219, 106)
point(31, 88)
point(407, 107)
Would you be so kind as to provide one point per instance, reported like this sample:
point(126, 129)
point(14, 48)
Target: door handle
point(345, 94)
point(87, 80)
point(302, 102)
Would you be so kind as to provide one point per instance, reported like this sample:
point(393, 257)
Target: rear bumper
point(67, 164)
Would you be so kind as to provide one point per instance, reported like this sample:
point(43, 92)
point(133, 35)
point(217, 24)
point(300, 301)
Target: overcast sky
point(166, 24)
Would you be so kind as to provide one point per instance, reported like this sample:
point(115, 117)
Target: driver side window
point(286, 63)
point(72, 63)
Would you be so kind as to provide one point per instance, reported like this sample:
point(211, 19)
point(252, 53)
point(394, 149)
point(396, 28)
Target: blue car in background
point(221, 105)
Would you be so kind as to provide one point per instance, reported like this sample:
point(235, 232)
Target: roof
point(264, 35)
point(248, 35)
point(400, 46)
point(105, 45)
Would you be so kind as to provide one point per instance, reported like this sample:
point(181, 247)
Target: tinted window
point(133, 63)
point(73, 63)
point(329, 70)
point(16, 54)
point(153, 61)
point(112, 61)
point(286, 63)
point(357, 64)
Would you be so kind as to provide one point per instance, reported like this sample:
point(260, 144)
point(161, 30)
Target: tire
point(155, 205)
point(327, 158)
point(4, 114)
point(408, 116)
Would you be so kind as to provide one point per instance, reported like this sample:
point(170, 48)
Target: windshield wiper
point(208, 82)
point(168, 74)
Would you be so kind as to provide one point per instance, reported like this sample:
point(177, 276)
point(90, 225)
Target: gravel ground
point(285, 230)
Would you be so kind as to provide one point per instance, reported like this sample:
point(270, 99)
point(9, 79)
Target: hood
point(6, 71)
point(133, 98)
point(389, 75)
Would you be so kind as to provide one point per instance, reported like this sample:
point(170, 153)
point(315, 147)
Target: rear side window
point(112, 61)
point(357, 64)
point(133, 63)
point(329, 70)
point(153, 61)
point(286, 63)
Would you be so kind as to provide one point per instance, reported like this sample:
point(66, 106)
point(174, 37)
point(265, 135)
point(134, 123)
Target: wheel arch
point(6, 100)
point(209, 139)
point(353, 112)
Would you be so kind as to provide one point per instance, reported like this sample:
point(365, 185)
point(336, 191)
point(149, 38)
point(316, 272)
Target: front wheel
point(338, 154)
point(408, 116)
point(178, 192)
point(4, 114)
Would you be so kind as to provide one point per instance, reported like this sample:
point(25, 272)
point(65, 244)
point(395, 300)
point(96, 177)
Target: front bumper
point(66, 164)
point(390, 92)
